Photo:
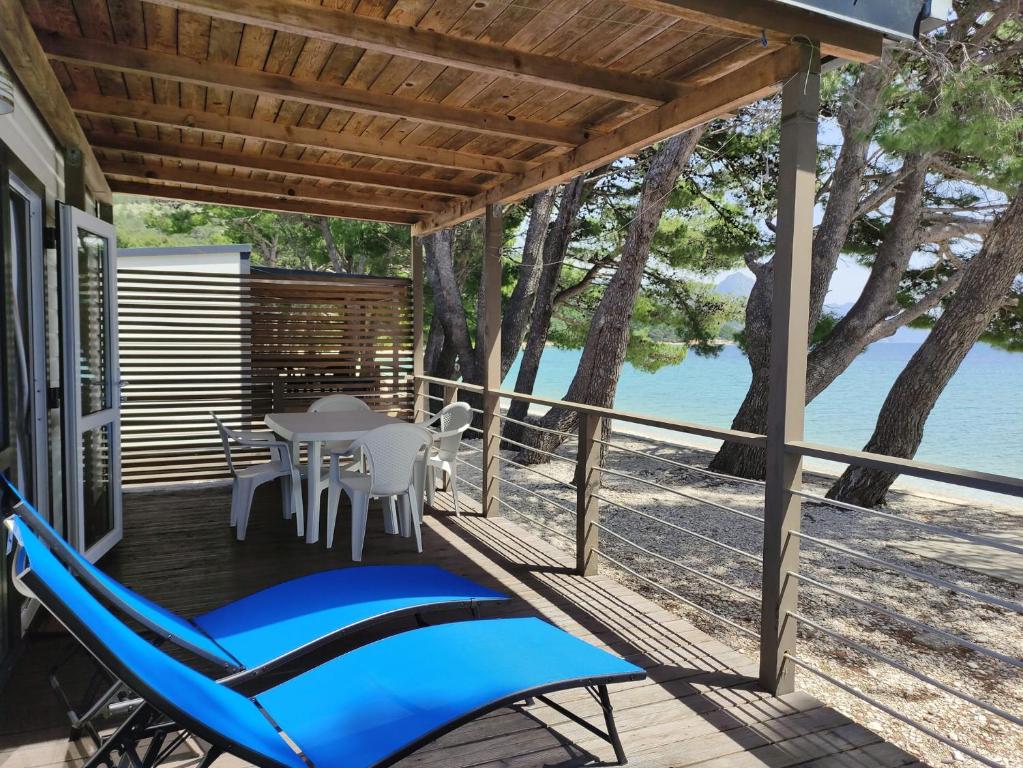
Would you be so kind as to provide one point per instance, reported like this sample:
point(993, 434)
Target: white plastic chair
point(348, 458)
point(336, 403)
point(247, 479)
point(391, 453)
point(452, 421)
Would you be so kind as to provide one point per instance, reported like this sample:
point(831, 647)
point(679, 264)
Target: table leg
point(312, 519)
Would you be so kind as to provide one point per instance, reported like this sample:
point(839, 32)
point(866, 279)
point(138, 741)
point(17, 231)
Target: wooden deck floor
point(700, 705)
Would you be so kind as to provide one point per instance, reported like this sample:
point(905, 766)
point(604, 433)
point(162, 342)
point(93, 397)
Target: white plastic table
point(314, 429)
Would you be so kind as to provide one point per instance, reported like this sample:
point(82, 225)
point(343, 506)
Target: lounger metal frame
point(234, 675)
point(152, 718)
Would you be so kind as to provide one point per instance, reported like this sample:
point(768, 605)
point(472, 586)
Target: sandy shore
point(887, 538)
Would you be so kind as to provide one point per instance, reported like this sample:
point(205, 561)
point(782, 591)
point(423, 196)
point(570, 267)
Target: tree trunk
point(434, 346)
point(859, 328)
point(986, 280)
point(596, 378)
point(738, 458)
point(520, 304)
point(337, 263)
point(548, 277)
point(857, 119)
point(447, 300)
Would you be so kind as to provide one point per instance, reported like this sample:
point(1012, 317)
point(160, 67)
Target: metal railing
point(595, 540)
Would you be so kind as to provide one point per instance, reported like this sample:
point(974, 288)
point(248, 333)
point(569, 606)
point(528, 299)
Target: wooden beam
point(306, 190)
point(351, 29)
point(734, 90)
point(120, 142)
point(247, 128)
point(150, 189)
point(120, 58)
point(778, 23)
point(21, 48)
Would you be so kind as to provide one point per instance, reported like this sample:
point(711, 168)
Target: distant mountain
point(839, 310)
point(735, 284)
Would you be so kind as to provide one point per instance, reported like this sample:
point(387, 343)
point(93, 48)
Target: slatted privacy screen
point(245, 345)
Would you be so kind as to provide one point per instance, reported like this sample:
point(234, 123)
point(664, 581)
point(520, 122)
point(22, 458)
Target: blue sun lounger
point(274, 627)
point(370, 707)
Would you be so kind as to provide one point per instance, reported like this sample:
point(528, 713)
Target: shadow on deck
point(700, 705)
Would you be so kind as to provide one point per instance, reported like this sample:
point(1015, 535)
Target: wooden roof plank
point(213, 197)
point(273, 164)
point(227, 77)
point(345, 28)
point(25, 55)
point(160, 114)
point(735, 89)
point(308, 190)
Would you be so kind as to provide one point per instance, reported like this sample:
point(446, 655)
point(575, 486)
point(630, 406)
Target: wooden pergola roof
point(417, 112)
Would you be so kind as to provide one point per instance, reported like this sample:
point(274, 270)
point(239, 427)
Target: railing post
point(493, 237)
point(787, 398)
point(587, 481)
point(420, 387)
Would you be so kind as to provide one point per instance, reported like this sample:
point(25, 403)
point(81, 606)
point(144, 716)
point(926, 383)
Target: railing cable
point(915, 574)
point(735, 550)
point(950, 636)
point(677, 564)
point(683, 494)
point(892, 712)
point(700, 470)
point(547, 499)
point(535, 472)
point(878, 656)
point(677, 596)
point(567, 435)
point(972, 537)
point(538, 450)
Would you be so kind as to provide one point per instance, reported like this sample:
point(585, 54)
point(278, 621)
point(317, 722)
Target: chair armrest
point(429, 421)
point(450, 433)
point(258, 440)
point(261, 437)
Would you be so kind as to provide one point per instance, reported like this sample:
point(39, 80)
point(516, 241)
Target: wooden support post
point(587, 482)
point(787, 398)
point(493, 239)
point(106, 212)
point(420, 405)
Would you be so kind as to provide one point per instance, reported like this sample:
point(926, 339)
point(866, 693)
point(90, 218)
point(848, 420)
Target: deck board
point(699, 706)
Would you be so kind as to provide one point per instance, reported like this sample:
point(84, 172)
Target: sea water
point(977, 422)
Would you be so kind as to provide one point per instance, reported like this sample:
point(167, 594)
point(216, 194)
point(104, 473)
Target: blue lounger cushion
point(387, 697)
point(361, 709)
point(168, 625)
point(290, 617)
point(283, 621)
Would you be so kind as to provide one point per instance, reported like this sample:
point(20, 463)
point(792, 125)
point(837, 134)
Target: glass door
point(91, 381)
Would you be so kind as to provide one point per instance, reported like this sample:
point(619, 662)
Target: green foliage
point(140, 225)
point(287, 240)
point(975, 119)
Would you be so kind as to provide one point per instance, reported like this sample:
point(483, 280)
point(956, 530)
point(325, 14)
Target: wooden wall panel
point(245, 345)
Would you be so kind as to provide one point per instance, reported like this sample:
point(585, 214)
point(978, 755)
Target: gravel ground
point(992, 681)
